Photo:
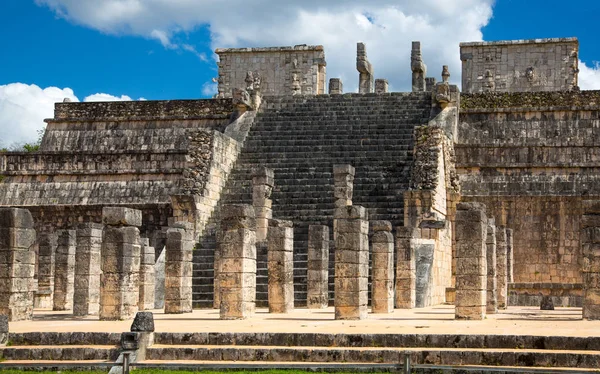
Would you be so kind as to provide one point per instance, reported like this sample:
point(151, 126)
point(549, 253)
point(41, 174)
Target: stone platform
point(430, 320)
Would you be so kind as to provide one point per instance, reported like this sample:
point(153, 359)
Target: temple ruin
point(277, 194)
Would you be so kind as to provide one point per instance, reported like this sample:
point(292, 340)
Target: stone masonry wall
point(531, 159)
point(280, 69)
point(520, 65)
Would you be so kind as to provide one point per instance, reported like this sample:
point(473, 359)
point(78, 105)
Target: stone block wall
point(282, 70)
point(531, 159)
point(590, 250)
point(520, 65)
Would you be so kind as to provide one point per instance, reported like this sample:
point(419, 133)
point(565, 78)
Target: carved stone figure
point(296, 87)
point(365, 69)
point(530, 74)
point(490, 84)
point(249, 81)
point(419, 69)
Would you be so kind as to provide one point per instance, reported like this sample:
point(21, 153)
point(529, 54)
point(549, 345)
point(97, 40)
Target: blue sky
point(162, 49)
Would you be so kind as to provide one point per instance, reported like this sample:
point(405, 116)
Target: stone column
point(119, 282)
point(406, 268)
point(509, 255)
point(343, 179)
point(430, 83)
point(351, 262)
point(492, 282)
point(419, 69)
point(263, 180)
point(590, 251)
point(46, 252)
point(86, 299)
point(471, 263)
point(17, 263)
point(147, 276)
point(178, 268)
point(381, 86)
point(382, 278)
point(64, 275)
point(336, 87)
point(237, 266)
point(501, 266)
point(318, 267)
point(280, 265)
point(365, 70)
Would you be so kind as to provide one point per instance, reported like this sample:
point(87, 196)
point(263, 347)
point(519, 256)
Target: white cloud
point(24, 107)
point(106, 97)
point(209, 89)
point(387, 26)
point(589, 77)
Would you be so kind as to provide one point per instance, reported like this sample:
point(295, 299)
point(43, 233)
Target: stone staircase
point(86, 349)
point(277, 349)
point(301, 138)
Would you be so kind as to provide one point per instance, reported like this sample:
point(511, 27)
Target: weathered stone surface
point(336, 86)
point(64, 277)
point(365, 69)
point(501, 266)
point(381, 86)
point(424, 253)
point(237, 263)
point(119, 216)
point(46, 264)
point(178, 269)
point(352, 263)
point(547, 303)
point(280, 266)
point(419, 69)
point(492, 261)
point(382, 285)
point(318, 267)
point(86, 294)
point(147, 276)
point(509, 66)
point(406, 267)
point(263, 181)
point(119, 281)
point(17, 256)
point(143, 322)
point(471, 261)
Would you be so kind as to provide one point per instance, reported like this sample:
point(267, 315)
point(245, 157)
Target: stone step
point(346, 367)
point(64, 338)
point(60, 352)
point(418, 355)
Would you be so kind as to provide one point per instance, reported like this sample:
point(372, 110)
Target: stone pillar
point(430, 84)
point(419, 69)
point(262, 185)
point(280, 265)
point(17, 260)
point(237, 266)
point(336, 87)
point(159, 280)
point(509, 255)
point(382, 278)
point(64, 274)
point(590, 251)
point(365, 69)
point(491, 259)
point(406, 268)
point(318, 267)
point(471, 263)
point(343, 179)
point(119, 281)
point(351, 262)
point(501, 266)
point(381, 86)
point(178, 268)
point(147, 275)
point(86, 298)
point(46, 252)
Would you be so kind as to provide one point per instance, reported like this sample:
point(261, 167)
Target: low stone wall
point(531, 294)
